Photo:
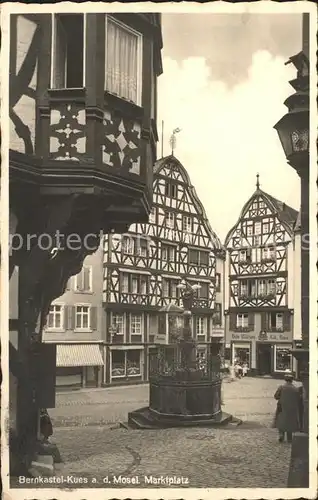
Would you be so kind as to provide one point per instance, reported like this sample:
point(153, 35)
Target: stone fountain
point(183, 391)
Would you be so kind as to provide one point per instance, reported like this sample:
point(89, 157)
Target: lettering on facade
point(243, 336)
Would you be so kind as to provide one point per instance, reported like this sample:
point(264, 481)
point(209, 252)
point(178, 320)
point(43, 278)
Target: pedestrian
point(287, 411)
point(238, 370)
point(232, 373)
point(244, 369)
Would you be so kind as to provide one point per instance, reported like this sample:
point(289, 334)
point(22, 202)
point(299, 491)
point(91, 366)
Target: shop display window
point(241, 354)
point(283, 359)
point(126, 363)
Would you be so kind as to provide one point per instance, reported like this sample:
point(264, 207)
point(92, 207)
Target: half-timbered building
point(260, 294)
point(143, 268)
point(82, 109)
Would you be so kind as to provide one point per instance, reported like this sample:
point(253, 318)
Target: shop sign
point(265, 336)
point(160, 338)
point(243, 336)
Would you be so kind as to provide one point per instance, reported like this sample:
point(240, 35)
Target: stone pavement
point(93, 446)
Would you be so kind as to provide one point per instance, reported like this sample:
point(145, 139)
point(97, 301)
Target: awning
point(78, 355)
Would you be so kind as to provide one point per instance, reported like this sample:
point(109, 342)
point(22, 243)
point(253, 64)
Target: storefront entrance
point(264, 359)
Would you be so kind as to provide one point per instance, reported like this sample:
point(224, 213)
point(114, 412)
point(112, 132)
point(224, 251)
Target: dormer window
point(68, 51)
point(123, 61)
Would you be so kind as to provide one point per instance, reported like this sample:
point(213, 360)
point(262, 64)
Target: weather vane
point(173, 140)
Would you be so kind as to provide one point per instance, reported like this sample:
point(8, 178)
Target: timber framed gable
point(176, 244)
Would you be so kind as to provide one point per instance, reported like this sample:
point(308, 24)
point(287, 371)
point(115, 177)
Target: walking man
point(288, 398)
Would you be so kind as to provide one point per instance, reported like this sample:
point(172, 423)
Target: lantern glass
point(293, 133)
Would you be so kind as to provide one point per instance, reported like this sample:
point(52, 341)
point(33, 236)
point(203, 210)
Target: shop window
point(118, 364)
point(283, 359)
point(123, 61)
point(241, 354)
point(126, 363)
point(133, 367)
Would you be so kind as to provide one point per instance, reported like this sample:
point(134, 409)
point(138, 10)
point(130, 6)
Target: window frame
point(243, 316)
point(141, 333)
point(140, 37)
point(62, 312)
point(187, 224)
point(201, 321)
point(78, 290)
point(89, 326)
point(173, 219)
point(114, 324)
point(54, 16)
point(278, 348)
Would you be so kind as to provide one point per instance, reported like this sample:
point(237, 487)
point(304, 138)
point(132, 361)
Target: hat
point(288, 375)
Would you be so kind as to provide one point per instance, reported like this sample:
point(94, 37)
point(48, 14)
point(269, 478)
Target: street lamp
point(293, 132)
point(293, 128)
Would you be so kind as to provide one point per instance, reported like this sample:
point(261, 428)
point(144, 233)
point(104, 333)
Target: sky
point(224, 84)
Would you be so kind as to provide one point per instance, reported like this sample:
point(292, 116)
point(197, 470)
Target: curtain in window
point(121, 61)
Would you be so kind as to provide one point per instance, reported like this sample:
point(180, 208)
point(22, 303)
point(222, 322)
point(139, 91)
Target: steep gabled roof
point(287, 215)
point(160, 164)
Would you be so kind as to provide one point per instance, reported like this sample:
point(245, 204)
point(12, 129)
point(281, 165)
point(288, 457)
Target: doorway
point(264, 356)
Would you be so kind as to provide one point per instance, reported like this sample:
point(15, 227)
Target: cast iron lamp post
point(293, 131)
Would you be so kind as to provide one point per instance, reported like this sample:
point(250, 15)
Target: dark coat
point(288, 397)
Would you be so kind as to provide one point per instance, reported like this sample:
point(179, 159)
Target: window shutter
point(86, 278)
point(65, 317)
point(251, 320)
point(70, 317)
point(287, 321)
point(232, 321)
point(93, 313)
point(80, 281)
point(264, 321)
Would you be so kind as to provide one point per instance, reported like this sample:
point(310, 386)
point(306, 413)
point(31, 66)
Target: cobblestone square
point(248, 456)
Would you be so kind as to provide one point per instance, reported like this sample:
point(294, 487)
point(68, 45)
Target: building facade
point(75, 325)
point(142, 271)
point(82, 108)
point(261, 297)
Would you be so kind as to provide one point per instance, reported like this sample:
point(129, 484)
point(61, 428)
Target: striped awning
point(78, 355)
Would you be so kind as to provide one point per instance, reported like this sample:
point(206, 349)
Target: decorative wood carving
point(67, 131)
point(122, 142)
